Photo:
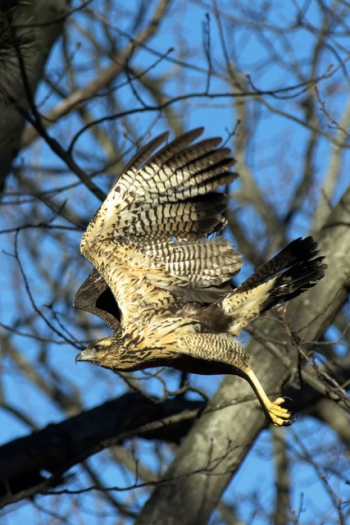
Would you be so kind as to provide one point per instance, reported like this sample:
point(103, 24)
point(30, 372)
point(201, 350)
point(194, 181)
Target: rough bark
point(219, 441)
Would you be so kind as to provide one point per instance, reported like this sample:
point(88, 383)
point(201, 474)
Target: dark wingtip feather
point(301, 271)
point(143, 154)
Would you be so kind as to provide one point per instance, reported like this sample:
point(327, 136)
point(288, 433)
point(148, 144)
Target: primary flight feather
point(149, 243)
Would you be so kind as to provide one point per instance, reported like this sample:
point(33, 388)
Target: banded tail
point(292, 271)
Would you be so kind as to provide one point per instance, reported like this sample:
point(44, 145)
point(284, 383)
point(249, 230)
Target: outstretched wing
point(149, 240)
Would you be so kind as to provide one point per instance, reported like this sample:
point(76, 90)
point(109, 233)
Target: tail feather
point(294, 282)
point(300, 253)
point(290, 273)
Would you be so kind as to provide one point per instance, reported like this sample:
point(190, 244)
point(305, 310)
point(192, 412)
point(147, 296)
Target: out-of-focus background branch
point(29, 29)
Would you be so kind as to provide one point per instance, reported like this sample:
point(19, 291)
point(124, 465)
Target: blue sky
point(272, 137)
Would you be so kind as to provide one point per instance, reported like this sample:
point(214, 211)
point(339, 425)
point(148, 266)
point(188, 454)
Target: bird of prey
point(161, 272)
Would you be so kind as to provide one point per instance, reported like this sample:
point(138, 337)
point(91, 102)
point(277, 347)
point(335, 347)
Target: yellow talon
point(280, 416)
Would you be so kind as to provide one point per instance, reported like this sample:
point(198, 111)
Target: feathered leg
point(223, 349)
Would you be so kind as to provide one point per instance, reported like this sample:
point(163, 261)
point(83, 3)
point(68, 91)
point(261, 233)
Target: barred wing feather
point(162, 209)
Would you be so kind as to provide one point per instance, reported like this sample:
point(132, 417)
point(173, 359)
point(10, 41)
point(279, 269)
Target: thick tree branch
point(60, 446)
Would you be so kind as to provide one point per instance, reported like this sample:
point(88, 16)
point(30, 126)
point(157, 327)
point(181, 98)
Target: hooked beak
point(86, 355)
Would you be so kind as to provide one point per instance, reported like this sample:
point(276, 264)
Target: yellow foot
point(279, 415)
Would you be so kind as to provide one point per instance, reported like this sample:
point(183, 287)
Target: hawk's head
point(104, 352)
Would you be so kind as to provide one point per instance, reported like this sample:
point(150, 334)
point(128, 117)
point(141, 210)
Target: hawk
point(161, 272)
